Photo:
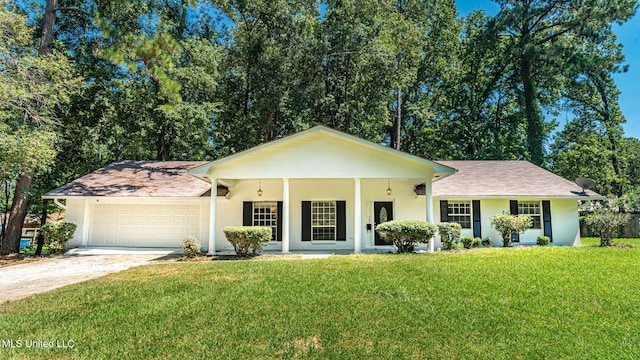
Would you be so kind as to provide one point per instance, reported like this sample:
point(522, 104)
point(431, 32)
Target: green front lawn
point(31, 250)
point(596, 241)
point(521, 303)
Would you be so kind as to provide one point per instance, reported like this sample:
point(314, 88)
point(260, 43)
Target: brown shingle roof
point(138, 179)
point(169, 178)
point(480, 178)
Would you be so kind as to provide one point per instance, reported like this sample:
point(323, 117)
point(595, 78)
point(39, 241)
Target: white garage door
point(142, 225)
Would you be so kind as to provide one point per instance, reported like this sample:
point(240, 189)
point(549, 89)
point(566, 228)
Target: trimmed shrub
point(57, 234)
point(476, 242)
point(486, 242)
point(456, 245)
point(449, 233)
point(507, 224)
point(406, 234)
point(605, 225)
point(245, 238)
point(467, 241)
point(191, 246)
point(543, 240)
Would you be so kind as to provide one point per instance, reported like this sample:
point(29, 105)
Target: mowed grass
point(596, 241)
point(31, 250)
point(520, 303)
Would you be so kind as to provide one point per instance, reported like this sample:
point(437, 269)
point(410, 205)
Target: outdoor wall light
point(260, 188)
point(389, 191)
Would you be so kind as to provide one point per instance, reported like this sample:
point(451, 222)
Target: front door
point(382, 212)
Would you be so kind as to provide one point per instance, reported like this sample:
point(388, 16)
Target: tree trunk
point(399, 108)
point(608, 125)
point(11, 240)
point(48, 27)
point(183, 19)
point(398, 119)
point(163, 146)
point(5, 209)
point(267, 130)
point(247, 90)
point(534, 121)
point(43, 221)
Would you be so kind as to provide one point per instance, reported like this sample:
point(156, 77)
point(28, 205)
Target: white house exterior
point(482, 188)
point(319, 190)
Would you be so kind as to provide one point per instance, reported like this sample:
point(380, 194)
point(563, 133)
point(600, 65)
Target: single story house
point(319, 189)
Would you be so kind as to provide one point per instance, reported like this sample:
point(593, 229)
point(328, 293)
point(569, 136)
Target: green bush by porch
point(556, 302)
point(245, 238)
point(406, 234)
point(508, 225)
point(449, 234)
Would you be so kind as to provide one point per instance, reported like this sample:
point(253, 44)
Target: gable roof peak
point(441, 169)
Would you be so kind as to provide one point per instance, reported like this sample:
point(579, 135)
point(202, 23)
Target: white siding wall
point(319, 155)
point(230, 208)
point(406, 206)
point(75, 214)
point(564, 221)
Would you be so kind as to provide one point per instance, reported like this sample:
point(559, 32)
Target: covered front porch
point(323, 189)
point(317, 214)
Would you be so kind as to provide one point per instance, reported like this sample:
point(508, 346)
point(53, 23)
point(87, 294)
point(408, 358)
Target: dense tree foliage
point(542, 35)
point(195, 80)
point(35, 85)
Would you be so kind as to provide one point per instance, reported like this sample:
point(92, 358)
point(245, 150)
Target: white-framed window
point(323, 220)
point(531, 208)
point(460, 212)
point(265, 213)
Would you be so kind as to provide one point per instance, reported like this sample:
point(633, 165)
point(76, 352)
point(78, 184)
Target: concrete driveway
point(23, 280)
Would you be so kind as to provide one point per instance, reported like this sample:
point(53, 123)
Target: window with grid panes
point(265, 213)
point(531, 208)
point(460, 212)
point(323, 220)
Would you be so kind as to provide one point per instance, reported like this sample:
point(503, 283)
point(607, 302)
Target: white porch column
point(429, 197)
point(85, 224)
point(212, 217)
point(285, 216)
point(357, 223)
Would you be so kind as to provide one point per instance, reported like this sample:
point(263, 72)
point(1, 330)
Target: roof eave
point(500, 197)
point(91, 197)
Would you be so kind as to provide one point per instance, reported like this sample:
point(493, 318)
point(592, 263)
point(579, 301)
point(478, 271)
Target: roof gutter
point(57, 202)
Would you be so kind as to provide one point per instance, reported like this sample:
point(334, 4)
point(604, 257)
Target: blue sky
point(628, 83)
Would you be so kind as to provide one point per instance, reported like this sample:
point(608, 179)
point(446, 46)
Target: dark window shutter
point(247, 213)
point(444, 211)
point(546, 218)
point(341, 220)
point(477, 224)
point(306, 221)
point(279, 222)
point(513, 209)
